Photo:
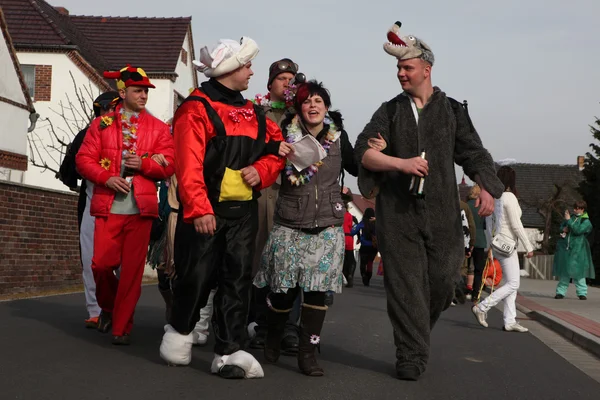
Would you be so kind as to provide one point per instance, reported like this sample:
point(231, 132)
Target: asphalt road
point(45, 353)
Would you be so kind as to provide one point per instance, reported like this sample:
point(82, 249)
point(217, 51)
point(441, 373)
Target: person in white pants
point(68, 174)
point(86, 241)
point(506, 221)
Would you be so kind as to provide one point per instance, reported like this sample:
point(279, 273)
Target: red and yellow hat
point(130, 76)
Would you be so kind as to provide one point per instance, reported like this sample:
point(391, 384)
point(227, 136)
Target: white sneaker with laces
point(480, 315)
point(516, 327)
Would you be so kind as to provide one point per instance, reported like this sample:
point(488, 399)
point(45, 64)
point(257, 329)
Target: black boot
point(121, 340)
point(276, 320)
point(167, 296)
point(367, 278)
point(104, 322)
point(311, 324)
point(350, 277)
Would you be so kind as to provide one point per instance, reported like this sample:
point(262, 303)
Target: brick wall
point(39, 241)
point(43, 82)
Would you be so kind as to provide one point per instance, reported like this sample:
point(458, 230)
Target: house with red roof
point(63, 56)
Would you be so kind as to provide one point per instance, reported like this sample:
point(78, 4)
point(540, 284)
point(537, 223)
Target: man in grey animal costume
point(420, 237)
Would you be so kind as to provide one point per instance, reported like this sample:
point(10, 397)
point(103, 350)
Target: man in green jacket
point(573, 258)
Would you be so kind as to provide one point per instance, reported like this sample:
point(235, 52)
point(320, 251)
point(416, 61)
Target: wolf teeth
point(396, 45)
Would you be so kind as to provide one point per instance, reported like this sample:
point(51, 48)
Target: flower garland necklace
point(288, 95)
point(294, 133)
point(129, 127)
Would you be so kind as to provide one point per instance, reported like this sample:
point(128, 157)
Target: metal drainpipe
point(33, 117)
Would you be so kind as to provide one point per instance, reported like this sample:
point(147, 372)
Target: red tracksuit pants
point(120, 240)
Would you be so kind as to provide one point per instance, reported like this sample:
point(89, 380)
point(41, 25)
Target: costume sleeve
point(88, 157)
point(470, 154)
point(357, 228)
point(348, 161)
point(368, 181)
point(583, 228)
point(189, 129)
point(270, 166)
point(511, 208)
point(164, 145)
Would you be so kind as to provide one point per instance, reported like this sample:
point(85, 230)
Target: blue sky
point(529, 69)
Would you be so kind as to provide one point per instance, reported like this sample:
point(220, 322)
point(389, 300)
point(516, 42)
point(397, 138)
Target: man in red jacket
point(116, 156)
point(222, 163)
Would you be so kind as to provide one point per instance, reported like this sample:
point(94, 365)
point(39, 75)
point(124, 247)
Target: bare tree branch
point(61, 128)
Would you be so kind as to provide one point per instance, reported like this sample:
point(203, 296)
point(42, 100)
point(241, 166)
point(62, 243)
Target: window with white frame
point(29, 75)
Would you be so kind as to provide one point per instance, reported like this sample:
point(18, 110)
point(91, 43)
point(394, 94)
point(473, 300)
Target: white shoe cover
point(251, 330)
point(176, 348)
point(199, 337)
point(242, 359)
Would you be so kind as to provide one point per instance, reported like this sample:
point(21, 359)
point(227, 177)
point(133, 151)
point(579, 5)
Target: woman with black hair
point(368, 244)
point(305, 250)
point(506, 223)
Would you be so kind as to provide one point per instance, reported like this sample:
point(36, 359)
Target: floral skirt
point(292, 257)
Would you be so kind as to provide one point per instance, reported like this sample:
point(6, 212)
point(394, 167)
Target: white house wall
point(10, 86)
point(15, 122)
point(160, 99)
point(62, 87)
point(185, 81)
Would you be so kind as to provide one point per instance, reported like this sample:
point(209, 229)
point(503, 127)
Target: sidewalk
point(577, 320)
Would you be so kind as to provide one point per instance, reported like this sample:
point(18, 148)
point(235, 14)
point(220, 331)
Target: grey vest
point(317, 203)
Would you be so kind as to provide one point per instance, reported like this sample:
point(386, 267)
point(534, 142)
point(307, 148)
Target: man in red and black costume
point(116, 157)
point(223, 161)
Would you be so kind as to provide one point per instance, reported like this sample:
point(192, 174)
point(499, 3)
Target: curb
point(581, 338)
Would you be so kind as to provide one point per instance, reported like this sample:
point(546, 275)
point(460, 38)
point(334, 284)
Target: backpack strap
point(262, 123)
point(212, 114)
point(465, 107)
point(391, 108)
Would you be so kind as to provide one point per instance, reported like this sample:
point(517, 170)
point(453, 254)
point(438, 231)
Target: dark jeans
point(478, 258)
point(367, 256)
point(164, 283)
point(349, 265)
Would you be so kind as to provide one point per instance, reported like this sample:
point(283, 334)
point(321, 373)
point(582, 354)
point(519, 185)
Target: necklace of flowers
point(289, 94)
point(294, 133)
point(129, 127)
point(266, 101)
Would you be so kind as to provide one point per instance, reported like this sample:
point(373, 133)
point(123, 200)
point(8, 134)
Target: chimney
point(62, 10)
point(581, 162)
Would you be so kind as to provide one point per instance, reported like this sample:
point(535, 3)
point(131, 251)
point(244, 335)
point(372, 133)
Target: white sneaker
point(480, 315)
point(516, 327)
point(469, 297)
point(175, 348)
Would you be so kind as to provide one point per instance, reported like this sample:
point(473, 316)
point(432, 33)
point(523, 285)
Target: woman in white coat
point(507, 222)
